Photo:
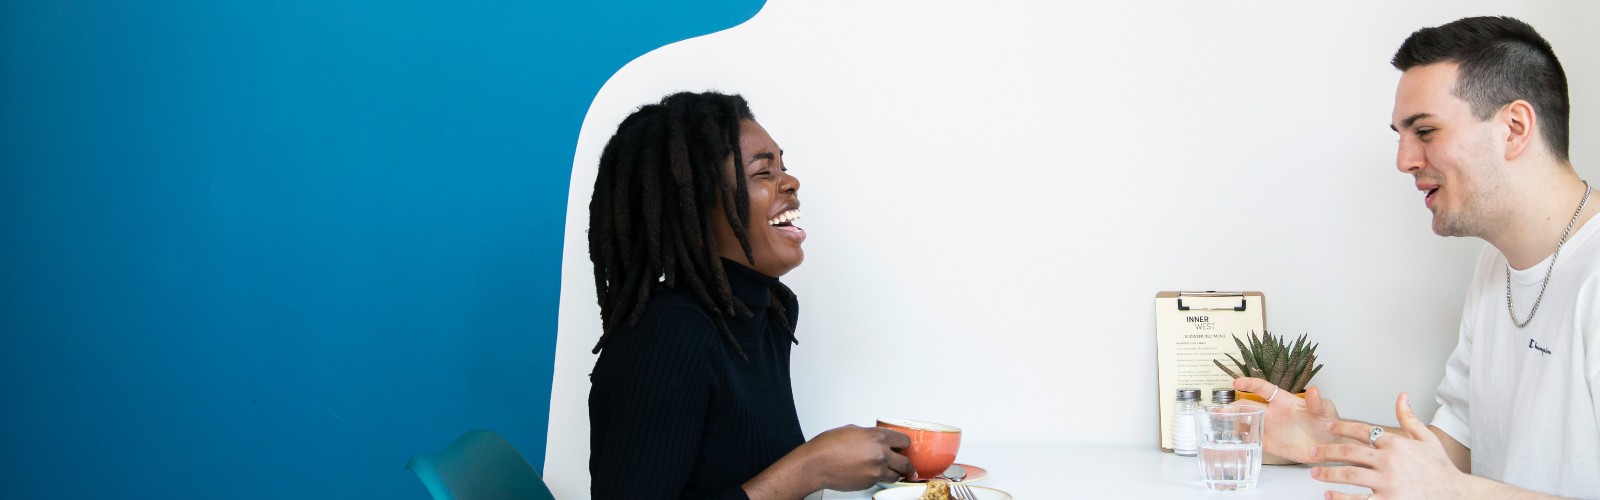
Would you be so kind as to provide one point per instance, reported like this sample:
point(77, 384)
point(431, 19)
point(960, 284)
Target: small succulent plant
point(1271, 357)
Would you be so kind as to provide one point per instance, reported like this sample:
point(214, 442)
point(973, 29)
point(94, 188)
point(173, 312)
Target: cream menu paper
point(1192, 329)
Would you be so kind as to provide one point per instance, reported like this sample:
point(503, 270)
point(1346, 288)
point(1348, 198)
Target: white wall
point(1005, 187)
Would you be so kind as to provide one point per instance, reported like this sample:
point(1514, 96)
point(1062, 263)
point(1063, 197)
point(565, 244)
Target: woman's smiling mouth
point(784, 223)
point(785, 218)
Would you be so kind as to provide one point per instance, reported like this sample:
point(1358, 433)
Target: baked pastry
point(938, 489)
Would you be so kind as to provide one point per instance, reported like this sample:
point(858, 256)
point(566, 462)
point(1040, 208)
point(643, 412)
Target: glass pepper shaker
point(1222, 396)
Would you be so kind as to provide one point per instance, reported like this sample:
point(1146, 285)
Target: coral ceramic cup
point(933, 446)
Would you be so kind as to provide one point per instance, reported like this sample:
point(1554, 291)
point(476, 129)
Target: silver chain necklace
point(1586, 190)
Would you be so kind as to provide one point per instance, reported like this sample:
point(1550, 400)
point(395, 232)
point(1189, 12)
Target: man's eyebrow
point(1406, 123)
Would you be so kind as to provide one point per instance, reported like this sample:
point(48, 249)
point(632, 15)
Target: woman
point(690, 227)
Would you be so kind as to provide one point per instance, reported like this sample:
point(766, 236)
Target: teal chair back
point(480, 465)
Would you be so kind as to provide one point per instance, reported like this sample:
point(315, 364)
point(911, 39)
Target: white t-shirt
point(1526, 401)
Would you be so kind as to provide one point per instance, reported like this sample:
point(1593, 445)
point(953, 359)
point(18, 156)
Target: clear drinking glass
point(1229, 437)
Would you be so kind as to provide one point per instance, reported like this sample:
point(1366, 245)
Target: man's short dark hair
point(1501, 60)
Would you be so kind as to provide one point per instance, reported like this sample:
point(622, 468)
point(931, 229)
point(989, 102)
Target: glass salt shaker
point(1183, 422)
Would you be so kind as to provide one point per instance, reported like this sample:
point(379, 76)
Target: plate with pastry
point(974, 474)
point(936, 489)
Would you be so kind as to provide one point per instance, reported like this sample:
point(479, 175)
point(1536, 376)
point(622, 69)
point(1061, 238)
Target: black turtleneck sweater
point(674, 412)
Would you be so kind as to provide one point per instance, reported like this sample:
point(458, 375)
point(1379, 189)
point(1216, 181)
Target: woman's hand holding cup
point(853, 458)
point(932, 449)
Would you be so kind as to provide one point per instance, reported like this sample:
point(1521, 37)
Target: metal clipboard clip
point(1182, 307)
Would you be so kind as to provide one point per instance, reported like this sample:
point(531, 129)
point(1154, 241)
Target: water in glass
point(1230, 466)
point(1229, 438)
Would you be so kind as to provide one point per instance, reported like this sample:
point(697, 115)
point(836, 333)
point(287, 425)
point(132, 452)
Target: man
point(1482, 111)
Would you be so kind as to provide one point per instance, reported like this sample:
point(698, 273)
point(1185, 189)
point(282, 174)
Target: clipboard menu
point(1192, 329)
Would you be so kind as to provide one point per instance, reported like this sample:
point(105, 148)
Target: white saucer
point(914, 492)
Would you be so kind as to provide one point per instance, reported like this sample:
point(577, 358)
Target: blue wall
point(272, 249)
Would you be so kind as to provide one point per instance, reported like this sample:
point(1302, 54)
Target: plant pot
point(1268, 458)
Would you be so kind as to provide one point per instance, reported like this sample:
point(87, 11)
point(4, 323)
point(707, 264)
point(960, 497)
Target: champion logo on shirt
point(1535, 346)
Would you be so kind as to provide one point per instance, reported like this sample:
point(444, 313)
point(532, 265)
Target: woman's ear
point(1521, 127)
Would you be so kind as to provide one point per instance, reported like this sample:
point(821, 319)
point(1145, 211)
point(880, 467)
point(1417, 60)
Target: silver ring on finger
point(1274, 394)
point(1373, 434)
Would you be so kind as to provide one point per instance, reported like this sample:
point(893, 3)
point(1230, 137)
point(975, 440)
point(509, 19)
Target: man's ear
point(1521, 127)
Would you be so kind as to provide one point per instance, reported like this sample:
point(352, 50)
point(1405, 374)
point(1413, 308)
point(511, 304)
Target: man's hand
point(1294, 426)
point(1409, 464)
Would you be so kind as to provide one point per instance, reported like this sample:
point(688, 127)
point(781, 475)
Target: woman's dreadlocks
point(650, 220)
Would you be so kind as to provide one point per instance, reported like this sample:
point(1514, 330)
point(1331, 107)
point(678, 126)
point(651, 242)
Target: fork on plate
point(962, 492)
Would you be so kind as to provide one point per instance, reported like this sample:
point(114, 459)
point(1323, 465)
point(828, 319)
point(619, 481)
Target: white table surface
point(1115, 472)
